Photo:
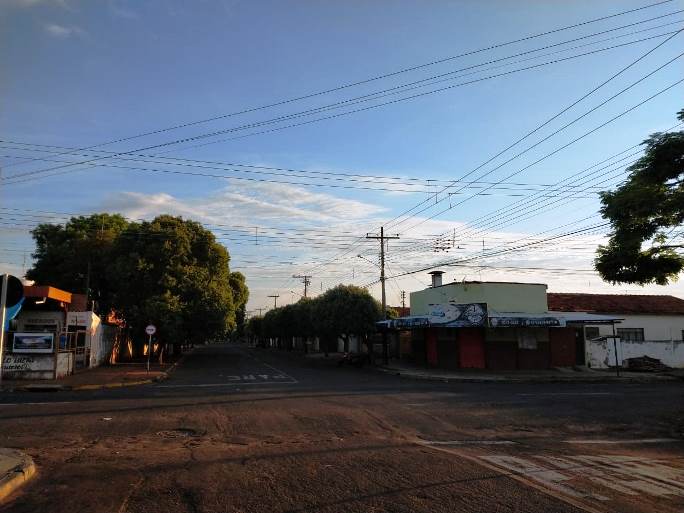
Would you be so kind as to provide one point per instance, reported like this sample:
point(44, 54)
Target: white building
point(651, 326)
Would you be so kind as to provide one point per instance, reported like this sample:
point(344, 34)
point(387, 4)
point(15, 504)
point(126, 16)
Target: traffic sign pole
point(149, 352)
point(3, 302)
point(150, 329)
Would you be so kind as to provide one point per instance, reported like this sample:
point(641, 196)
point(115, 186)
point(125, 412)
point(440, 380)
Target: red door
point(471, 348)
point(431, 347)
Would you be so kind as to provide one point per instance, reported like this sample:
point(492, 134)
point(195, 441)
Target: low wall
point(27, 366)
point(601, 353)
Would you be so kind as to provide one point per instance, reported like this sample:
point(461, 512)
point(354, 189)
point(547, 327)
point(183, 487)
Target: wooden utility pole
point(275, 300)
point(382, 238)
point(305, 279)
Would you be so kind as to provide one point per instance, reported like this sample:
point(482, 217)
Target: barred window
point(631, 334)
point(591, 332)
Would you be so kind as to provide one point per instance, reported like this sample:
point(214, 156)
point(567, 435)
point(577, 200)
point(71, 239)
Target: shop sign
point(526, 322)
point(454, 315)
point(33, 343)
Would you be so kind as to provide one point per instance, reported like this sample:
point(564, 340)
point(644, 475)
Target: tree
point(240, 297)
point(173, 273)
point(346, 310)
point(643, 212)
point(76, 256)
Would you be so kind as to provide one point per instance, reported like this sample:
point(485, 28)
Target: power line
point(13, 178)
point(586, 113)
point(380, 77)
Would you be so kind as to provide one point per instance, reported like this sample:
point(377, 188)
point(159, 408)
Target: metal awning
point(505, 320)
point(587, 318)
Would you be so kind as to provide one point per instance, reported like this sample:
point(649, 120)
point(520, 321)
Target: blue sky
point(83, 73)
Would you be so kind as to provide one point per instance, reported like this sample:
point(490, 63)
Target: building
point(52, 336)
point(651, 326)
point(492, 325)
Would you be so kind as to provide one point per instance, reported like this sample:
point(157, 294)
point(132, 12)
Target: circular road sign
point(15, 291)
point(151, 329)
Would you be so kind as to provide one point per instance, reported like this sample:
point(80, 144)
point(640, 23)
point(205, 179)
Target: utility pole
point(383, 238)
point(403, 299)
point(305, 279)
point(275, 300)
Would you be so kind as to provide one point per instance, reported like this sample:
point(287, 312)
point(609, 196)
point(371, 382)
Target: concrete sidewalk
point(538, 376)
point(106, 376)
point(16, 468)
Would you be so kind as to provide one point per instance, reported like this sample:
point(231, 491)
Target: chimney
point(436, 278)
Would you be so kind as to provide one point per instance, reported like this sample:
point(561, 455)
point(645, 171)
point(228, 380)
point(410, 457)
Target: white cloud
point(257, 203)
point(56, 30)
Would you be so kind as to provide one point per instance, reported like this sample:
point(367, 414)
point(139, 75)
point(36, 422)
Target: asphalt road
point(245, 430)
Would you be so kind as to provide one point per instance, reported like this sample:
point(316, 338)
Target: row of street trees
point(169, 271)
point(341, 312)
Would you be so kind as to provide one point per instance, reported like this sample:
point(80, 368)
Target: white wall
point(601, 353)
point(662, 340)
point(656, 327)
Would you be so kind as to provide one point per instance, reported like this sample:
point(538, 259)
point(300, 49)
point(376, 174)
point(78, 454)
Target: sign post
point(151, 329)
point(11, 293)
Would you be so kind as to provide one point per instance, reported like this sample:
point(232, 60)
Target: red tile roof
point(615, 303)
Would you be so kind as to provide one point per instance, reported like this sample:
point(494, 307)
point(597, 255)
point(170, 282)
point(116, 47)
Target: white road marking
point(567, 393)
point(627, 475)
point(277, 371)
point(37, 404)
point(619, 442)
point(204, 385)
point(469, 442)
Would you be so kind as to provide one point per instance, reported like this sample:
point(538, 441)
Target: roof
point(45, 291)
point(455, 282)
point(615, 303)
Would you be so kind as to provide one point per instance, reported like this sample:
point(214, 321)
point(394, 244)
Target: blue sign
point(12, 312)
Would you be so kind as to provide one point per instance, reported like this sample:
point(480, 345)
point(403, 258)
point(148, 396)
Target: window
point(591, 332)
point(527, 339)
point(631, 334)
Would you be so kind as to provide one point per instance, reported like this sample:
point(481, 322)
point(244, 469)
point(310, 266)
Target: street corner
point(16, 469)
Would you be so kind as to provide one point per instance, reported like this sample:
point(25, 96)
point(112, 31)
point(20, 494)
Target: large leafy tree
point(240, 292)
point(173, 273)
point(346, 310)
point(76, 256)
point(644, 212)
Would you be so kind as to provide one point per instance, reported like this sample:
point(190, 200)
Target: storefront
point(489, 333)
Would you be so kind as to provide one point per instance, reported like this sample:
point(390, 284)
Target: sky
point(294, 129)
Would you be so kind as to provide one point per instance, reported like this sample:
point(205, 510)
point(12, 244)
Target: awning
point(525, 320)
point(504, 320)
point(587, 318)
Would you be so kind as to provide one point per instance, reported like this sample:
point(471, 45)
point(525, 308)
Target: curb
point(48, 387)
point(17, 476)
point(550, 379)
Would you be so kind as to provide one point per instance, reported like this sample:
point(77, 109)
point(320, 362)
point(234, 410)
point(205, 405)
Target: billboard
point(33, 343)
point(453, 315)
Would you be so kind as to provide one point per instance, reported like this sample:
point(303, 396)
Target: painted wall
point(100, 347)
point(28, 366)
point(30, 317)
point(65, 364)
point(500, 297)
point(601, 353)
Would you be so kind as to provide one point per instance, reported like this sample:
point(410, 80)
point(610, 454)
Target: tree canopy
point(644, 213)
point(169, 271)
point(340, 312)
point(76, 256)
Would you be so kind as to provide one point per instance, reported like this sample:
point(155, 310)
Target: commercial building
point(53, 336)
point(492, 325)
